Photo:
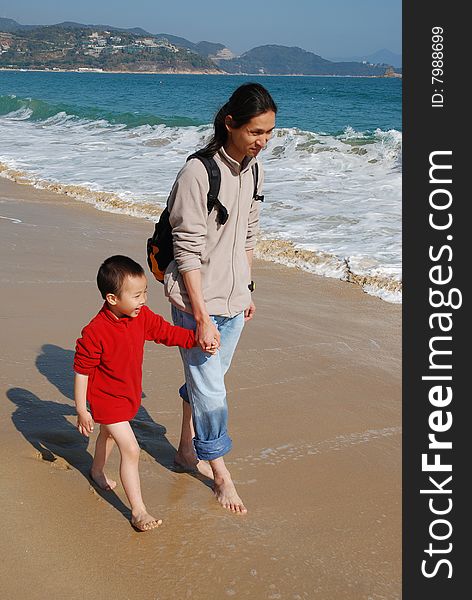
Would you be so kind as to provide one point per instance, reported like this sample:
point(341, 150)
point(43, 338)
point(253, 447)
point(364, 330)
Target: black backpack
point(159, 248)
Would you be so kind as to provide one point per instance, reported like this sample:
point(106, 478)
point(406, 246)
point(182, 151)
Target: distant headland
point(72, 46)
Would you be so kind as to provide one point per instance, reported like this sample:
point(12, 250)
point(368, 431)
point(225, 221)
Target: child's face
point(132, 297)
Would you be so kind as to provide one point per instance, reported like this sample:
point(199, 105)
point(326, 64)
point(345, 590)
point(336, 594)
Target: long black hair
point(247, 101)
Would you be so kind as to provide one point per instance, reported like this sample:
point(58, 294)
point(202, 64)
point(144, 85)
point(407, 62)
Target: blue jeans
point(204, 385)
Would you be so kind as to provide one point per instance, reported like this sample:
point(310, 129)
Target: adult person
point(209, 282)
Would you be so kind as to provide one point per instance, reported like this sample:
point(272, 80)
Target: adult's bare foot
point(102, 481)
point(143, 521)
point(227, 496)
point(189, 462)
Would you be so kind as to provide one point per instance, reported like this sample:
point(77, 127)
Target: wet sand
point(315, 417)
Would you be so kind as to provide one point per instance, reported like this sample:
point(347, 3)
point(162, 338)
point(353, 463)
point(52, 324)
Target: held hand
point(85, 423)
point(249, 312)
point(215, 346)
point(207, 336)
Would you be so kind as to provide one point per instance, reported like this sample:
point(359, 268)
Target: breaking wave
point(333, 202)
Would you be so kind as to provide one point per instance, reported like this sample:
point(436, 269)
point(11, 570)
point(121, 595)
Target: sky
point(330, 28)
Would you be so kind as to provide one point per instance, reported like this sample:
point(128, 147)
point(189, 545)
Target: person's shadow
point(56, 364)
point(43, 423)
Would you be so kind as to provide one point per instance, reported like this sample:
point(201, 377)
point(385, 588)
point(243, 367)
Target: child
point(108, 373)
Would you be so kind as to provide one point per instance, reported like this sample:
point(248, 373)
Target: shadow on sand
point(43, 423)
point(56, 364)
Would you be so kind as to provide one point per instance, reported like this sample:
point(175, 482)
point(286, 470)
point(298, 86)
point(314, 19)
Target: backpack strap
point(255, 175)
point(214, 180)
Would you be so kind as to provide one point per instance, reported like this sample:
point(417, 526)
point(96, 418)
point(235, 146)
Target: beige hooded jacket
point(201, 242)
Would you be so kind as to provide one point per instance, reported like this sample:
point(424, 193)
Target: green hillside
point(70, 46)
point(282, 60)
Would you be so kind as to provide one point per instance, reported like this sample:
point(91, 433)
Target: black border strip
point(432, 200)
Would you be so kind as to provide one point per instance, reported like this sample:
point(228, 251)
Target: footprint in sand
point(56, 461)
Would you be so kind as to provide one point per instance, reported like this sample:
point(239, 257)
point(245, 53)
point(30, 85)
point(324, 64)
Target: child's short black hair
point(113, 271)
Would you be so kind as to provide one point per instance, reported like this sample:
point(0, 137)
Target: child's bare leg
point(129, 474)
point(103, 447)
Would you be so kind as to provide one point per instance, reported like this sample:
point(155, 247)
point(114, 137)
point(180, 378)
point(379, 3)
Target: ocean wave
point(36, 110)
point(380, 145)
point(376, 283)
point(102, 200)
point(335, 198)
point(373, 280)
point(14, 108)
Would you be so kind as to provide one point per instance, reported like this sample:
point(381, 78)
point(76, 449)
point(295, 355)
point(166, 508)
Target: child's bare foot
point(189, 462)
point(103, 482)
point(143, 521)
point(227, 496)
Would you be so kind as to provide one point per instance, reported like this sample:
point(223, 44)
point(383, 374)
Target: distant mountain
point(282, 60)
point(69, 46)
point(209, 48)
point(175, 39)
point(11, 26)
point(386, 57)
point(203, 48)
point(383, 56)
point(167, 52)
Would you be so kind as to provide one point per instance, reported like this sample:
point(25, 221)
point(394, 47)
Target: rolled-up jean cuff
point(184, 394)
point(211, 449)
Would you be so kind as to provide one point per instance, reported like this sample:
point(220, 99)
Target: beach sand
point(315, 417)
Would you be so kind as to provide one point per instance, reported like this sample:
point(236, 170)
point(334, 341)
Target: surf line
point(11, 219)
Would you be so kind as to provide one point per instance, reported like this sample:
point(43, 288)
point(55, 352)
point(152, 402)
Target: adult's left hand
point(249, 312)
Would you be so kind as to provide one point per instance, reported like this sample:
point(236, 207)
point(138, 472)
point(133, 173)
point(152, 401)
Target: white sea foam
point(333, 204)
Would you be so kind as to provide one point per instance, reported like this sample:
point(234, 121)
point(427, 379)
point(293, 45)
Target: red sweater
point(110, 352)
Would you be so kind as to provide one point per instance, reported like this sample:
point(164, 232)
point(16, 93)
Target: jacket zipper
point(234, 246)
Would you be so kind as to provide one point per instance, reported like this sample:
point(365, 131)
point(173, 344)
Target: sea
point(333, 167)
